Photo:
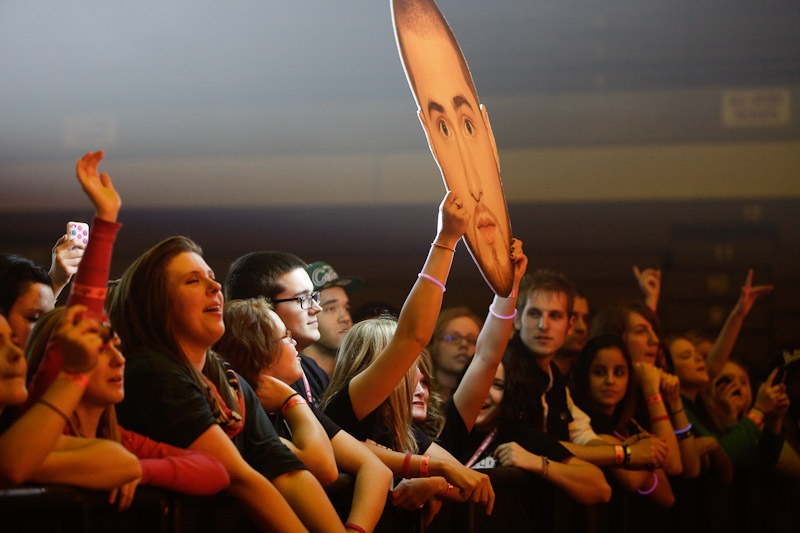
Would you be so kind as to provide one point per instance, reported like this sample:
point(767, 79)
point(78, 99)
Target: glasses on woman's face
point(456, 339)
point(286, 337)
point(305, 300)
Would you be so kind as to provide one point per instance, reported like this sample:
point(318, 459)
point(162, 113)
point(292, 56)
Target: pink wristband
point(501, 317)
point(432, 280)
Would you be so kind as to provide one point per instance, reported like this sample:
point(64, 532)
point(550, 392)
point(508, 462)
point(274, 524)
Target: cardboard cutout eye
point(468, 127)
point(444, 128)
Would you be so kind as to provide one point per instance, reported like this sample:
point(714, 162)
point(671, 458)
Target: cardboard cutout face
point(459, 133)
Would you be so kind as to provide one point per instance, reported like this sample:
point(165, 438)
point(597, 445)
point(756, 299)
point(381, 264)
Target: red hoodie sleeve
point(89, 285)
point(89, 289)
point(173, 468)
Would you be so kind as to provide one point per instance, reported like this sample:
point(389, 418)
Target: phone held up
point(78, 232)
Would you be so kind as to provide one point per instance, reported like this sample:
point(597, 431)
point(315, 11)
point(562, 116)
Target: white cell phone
point(78, 231)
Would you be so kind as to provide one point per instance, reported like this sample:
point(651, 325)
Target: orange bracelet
point(79, 378)
point(619, 455)
point(294, 399)
point(424, 461)
point(654, 399)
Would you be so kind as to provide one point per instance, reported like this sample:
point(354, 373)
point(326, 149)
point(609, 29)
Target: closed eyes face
point(640, 339)
point(35, 301)
point(196, 302)
point(689, 365)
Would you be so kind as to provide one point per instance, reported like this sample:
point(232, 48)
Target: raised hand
point(771, 398)
point(67, 255)
point(98, 187)
point(81, 339)
point(453, 219)
point(519, 260)
point(750, 294)
point(649, 281)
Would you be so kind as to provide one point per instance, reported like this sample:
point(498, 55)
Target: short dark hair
point(547, 281)
point(17, 273)
point(256, 274)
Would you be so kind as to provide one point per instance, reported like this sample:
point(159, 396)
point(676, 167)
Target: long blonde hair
point(359, 348)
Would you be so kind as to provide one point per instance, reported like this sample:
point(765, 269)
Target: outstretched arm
point(492, 341)
point(417, 317)
point(730, 330)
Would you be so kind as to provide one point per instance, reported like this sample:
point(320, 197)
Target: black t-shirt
point(463, 444)
point(317, 380)
point(340, 410)
point(163, 402)
point(330, 427)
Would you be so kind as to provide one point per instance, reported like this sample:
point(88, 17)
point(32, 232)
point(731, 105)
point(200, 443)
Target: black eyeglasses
point(305, 301)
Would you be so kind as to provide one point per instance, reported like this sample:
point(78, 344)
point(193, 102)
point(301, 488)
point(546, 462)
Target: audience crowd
point(263, 386)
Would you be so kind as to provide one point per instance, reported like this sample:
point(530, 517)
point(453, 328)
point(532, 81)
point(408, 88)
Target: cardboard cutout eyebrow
point(458, 131)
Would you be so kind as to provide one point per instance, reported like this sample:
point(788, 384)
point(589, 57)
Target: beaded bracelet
point(545, 467)
point(407, 466)
point(358, 528)
point(56, 409)
point(651, 489)
point(432, 280)
point(676, 411)
point(424, 461)
point(502, 317)
point(436, 244)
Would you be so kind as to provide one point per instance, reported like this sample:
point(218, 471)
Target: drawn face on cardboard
point(460, 137)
